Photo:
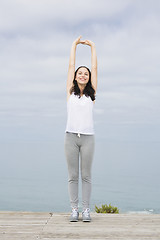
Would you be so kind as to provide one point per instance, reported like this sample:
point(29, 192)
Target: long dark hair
point(88, 90)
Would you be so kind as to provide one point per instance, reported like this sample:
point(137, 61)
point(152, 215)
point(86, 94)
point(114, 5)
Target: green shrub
point(106, 209)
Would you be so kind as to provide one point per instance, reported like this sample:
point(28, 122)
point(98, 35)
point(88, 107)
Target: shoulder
point(71, 96)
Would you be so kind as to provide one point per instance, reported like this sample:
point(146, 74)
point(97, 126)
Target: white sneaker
point(86, 215)
point(74, 215)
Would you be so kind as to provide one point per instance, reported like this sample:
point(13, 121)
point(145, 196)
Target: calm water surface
point(124, 174)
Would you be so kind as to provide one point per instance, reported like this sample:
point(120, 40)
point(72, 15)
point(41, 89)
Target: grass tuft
point(106, 209)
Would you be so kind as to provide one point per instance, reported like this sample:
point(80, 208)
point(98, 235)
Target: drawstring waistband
point(78, 134)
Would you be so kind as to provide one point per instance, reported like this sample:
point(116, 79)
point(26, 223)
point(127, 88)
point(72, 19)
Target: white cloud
point(18, 14)
point(35, 41)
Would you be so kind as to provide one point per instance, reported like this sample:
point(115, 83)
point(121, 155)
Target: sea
point(125, 174)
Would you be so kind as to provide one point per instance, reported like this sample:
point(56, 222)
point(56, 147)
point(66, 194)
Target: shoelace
point(74, 212)
point(86, 212)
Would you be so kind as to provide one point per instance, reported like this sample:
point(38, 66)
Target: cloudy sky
point(35, 42)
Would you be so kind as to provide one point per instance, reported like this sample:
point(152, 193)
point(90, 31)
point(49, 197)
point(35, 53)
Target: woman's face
point(82, 76)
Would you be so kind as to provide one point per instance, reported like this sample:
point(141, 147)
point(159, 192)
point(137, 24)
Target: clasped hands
point(85, 42)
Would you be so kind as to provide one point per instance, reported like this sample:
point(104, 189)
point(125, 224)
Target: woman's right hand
point(78, 41)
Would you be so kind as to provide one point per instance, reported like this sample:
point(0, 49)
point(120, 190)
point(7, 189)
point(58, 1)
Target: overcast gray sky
point(35, 42)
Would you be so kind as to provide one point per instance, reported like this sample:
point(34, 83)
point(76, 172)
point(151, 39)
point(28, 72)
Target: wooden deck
point(47, 226)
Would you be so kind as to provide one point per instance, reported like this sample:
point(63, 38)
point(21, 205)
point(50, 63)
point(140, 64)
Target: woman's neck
point(81, 87)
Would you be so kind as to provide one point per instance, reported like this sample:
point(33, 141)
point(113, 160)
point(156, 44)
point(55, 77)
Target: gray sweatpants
point(76, 146)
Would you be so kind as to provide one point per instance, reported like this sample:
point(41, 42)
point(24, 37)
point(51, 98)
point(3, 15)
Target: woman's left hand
point(88, 42)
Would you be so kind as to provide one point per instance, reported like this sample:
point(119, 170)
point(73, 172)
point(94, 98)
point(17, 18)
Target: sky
point(35, 42)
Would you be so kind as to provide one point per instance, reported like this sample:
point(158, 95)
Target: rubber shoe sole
point(86, 220)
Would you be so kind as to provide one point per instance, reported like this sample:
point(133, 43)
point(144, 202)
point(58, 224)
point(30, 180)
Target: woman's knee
point(73, 177)
point(86, 177)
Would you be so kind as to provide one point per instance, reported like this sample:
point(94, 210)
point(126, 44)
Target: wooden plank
point(46, 226)
point(120, 226)
point(22, 225)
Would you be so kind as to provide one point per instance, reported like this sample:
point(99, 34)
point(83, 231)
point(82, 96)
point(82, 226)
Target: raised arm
point(93, 63)
point(71, 69)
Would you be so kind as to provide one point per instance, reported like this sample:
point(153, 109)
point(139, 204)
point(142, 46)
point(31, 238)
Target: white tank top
point(80, 115)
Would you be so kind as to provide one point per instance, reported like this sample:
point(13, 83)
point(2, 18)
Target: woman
point(79, 138)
